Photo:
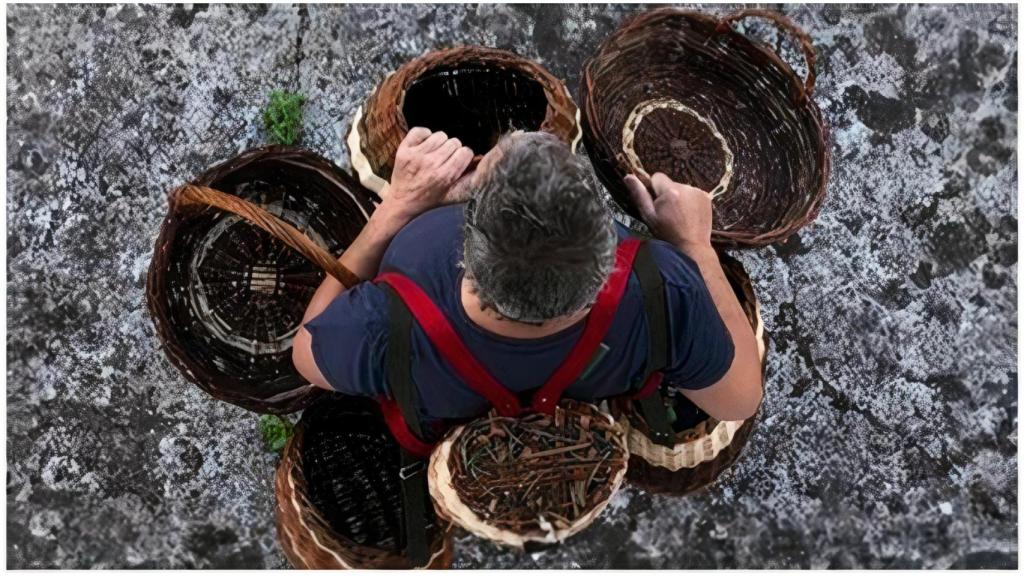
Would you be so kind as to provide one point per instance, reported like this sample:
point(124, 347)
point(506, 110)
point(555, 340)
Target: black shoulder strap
point(652, 285)
point(398, 361)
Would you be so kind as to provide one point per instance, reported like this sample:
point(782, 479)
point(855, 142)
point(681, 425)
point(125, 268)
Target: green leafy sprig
point(283, 116)
point(275, 431)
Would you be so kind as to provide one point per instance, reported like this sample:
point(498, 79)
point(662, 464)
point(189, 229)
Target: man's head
point(539, 242)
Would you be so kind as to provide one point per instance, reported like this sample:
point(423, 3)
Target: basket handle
point(192, 195)
point(787, 25)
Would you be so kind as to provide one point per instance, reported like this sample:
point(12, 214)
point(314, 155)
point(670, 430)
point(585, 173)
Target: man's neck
point(490, 321)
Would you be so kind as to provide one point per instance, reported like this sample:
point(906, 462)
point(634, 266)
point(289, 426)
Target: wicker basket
point(705, 450)
point(238, 258)
point(682, 93)
point(472, 93)
point(339, 500)
point(473, 501)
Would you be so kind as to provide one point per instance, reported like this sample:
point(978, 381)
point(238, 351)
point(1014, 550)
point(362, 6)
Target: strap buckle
point(410, 470)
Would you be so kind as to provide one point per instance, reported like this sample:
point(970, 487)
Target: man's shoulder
point(427, 238)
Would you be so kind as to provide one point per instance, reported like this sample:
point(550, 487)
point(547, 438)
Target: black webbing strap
point(652, 285)
point(414, 481)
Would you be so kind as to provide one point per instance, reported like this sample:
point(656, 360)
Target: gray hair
point(539, 241)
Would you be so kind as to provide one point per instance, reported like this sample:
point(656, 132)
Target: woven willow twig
point(773, 131)
point(535, 479)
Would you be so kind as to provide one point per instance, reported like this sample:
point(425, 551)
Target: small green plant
point(283, 116)
point(275, 431)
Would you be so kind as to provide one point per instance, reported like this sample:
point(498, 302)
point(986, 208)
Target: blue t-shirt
point(350, 337)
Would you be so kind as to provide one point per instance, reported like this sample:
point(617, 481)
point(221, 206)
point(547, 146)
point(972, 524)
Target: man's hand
point(677, 213)
point(426, 165)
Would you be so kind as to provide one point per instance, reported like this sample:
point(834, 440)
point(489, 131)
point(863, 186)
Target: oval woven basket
point(239, 256)
point(683, 93)
point(339, 496)
point(706, 448)
point(472, 93)
point(489, 477)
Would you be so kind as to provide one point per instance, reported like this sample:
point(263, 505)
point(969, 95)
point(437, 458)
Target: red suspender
point(598, 322)
point(450, 346)
point(400, 430)
point(454, 351)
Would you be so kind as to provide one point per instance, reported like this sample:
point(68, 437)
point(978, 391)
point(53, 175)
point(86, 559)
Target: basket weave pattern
point(720, 82)
point(446, 472)
point(229, 283)
point(381, 124)
point(308, 538)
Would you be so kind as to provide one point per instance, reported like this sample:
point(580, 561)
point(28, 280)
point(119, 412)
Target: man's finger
point(416, 136)
point(432, 142)
point(661, 184)
point(444, 151)
point(641, 197)
point(459, 161)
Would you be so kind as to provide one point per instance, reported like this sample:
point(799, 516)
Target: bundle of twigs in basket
point(538, 478)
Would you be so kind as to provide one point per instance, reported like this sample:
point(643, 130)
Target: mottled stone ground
point(889, 433)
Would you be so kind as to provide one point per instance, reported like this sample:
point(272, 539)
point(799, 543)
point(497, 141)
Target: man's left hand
point(427, 164)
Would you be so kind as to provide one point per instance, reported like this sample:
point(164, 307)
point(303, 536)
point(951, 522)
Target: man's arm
point(426, 165)
point(681, 215)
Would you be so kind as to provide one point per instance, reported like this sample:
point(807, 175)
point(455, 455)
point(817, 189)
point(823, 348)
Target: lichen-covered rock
point(889, 427)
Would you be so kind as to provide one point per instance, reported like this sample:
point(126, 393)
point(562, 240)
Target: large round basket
point(239, 256)
point(532, 481)
point(705, 449)
point(683, 93)
point(339, 495)
point(472, 93)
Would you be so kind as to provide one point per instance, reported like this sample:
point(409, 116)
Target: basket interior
point(681, 147)
point(777, 142)
point(236, 295)
point(476, 104)
point(351, 465)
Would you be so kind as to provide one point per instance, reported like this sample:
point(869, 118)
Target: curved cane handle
point(190, 194)
point(787, 25)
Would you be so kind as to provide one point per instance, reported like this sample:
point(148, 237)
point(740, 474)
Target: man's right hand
point(426, 165)
point(676, 213)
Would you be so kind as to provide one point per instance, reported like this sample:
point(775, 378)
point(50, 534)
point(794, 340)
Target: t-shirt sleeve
point(350, 339)
point(701, 349)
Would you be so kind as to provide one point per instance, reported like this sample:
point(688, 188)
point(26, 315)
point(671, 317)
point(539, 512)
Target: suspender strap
point(450, 346)
point(649, 400)
point(598, 322)
point(402, 417)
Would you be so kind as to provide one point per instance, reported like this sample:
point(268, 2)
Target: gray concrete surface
point(889, 433)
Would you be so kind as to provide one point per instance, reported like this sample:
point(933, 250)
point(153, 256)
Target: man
point(515, 272)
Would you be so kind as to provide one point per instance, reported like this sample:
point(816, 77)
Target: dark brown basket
point(236, 263)
point(645, 469)
point(681, 92)
point(339, 496)
point(472, 93)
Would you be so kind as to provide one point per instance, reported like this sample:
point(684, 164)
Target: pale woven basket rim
point(694, 452)
point(448, 504)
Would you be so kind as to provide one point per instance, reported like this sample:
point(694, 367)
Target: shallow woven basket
point(339, 499)
point(472, 93)
point(681, 92)
point(239, 256)
point(446, 474)
point(703, 452)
